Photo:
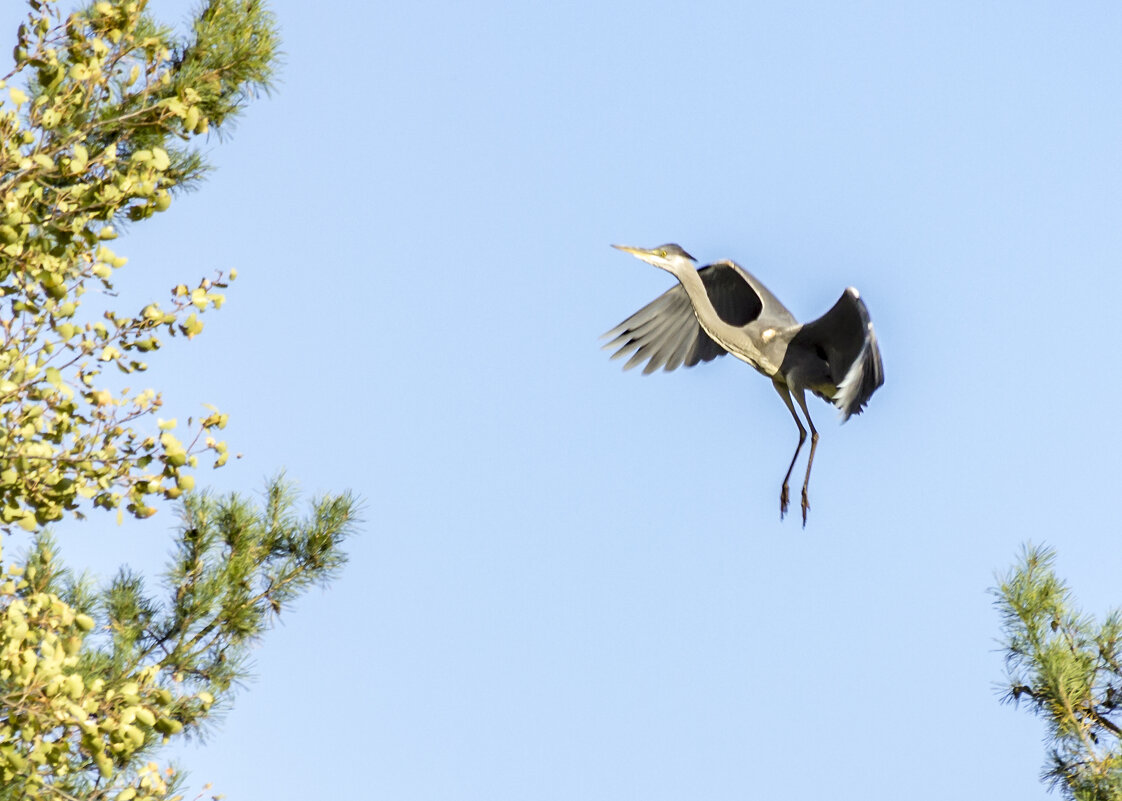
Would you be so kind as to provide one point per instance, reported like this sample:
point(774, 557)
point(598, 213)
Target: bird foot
point(784, 500)
point(806, 506)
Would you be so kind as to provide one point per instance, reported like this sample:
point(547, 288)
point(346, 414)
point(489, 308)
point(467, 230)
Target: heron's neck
point(732, 339)
point(702, 307)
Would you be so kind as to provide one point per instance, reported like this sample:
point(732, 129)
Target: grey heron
point(722, 308)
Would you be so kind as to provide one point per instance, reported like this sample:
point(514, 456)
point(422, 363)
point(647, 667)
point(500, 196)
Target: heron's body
point(722, 308)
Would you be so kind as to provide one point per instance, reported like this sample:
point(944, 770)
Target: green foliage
point(91, 683)
point(97, 121)
point(1068, 669)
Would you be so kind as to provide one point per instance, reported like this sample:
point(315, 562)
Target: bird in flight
point(722, 308)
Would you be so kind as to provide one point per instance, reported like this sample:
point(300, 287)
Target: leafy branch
point(1066, 667)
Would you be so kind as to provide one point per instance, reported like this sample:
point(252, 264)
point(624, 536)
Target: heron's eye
point(662, 253)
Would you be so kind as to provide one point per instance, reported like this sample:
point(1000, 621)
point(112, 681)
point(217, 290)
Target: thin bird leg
point(784, 493)
point(813, 444)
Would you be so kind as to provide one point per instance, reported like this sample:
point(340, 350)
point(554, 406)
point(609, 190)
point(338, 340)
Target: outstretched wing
point(666, 332)
point(845, 338)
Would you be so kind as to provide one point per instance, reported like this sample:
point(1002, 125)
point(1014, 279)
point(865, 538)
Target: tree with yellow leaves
point(98, 121)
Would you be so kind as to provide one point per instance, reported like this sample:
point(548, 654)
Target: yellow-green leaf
point(160, 159)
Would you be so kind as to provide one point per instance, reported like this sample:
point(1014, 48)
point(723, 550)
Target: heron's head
point(665, 256)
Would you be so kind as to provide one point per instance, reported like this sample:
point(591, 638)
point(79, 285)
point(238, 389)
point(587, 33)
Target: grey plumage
point(666, 333)
point(722, 308)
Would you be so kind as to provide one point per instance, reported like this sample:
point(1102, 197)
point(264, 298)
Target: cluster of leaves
point(96, 129)
point(1069, 669)
point(97, 121)
point(87, 696)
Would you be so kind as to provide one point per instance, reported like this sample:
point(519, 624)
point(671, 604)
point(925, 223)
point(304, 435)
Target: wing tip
point(865, 376)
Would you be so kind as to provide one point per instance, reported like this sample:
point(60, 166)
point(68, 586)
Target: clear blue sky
point(573, 582)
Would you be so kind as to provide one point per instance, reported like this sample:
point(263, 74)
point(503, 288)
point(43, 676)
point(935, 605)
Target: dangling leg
point(783, 493)
point(813, 444)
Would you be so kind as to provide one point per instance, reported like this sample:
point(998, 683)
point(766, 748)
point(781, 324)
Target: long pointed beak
point(640, 252)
